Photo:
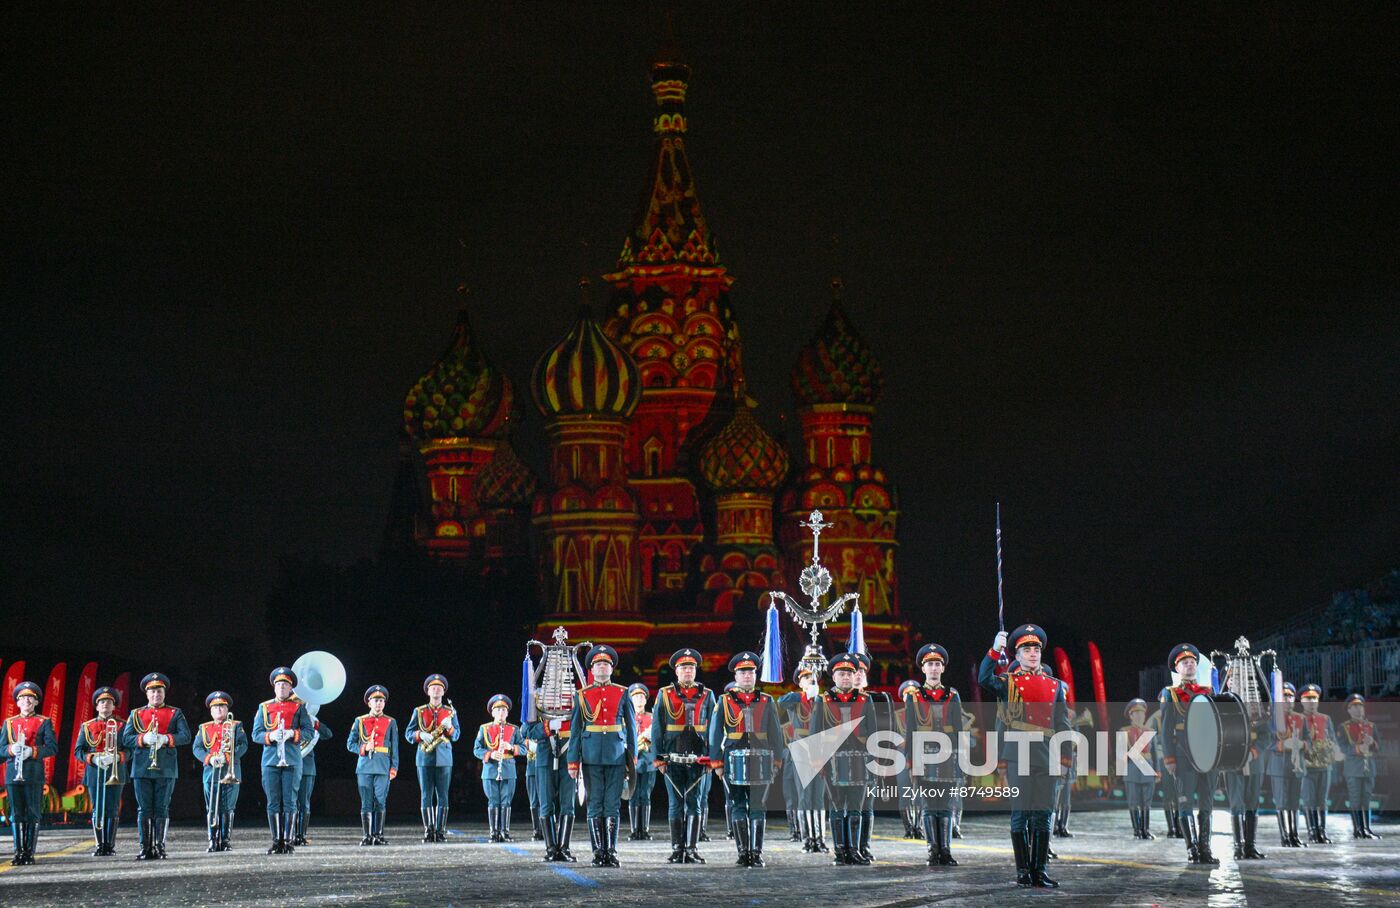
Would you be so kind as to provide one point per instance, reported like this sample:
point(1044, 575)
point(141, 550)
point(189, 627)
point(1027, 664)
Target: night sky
point(1129, 270)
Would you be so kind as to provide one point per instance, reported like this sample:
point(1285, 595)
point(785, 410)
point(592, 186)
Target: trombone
point(110, 748)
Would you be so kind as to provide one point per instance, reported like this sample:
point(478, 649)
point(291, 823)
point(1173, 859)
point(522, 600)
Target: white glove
point(447, 726)
point(15, 749)
point(999, 644)
point(216, 760)
point(106, 760)
point(150, 738)
point(25, 753)
point(531, 746)
point(424, 737)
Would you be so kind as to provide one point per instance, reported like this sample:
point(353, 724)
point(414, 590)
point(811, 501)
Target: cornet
point(281, 742)
point(110, 748)
point(155, 748)
point(19, 760)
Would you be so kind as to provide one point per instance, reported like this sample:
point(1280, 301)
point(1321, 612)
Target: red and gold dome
point(742, 456)
point(462, 395)
point(586, 373)
point(505, 482)
point(836, 367)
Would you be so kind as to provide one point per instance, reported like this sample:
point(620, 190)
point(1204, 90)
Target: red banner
point(82, 711)
point(123, 688)
point(8, 707)
point(1065, 673)
point(1100, 690)
point(53, 708)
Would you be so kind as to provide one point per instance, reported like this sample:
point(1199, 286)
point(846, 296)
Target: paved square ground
point(1101, 865)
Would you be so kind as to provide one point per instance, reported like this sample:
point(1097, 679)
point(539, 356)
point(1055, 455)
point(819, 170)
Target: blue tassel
point(527, 700)
point(857, 642)
point(772, 649)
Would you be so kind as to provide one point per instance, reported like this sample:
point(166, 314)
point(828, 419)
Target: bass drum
point(1217, 733)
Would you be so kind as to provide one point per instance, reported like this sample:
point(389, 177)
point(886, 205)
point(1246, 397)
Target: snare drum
point(746, 766)
point(847, 769)
point(1217, 733)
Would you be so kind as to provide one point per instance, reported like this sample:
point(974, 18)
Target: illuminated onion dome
point(836, 367)
point(586, 373)
point(505, 482)
point(742, 456)
point(461, 395)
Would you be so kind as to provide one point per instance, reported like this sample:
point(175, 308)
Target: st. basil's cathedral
point(667, 510)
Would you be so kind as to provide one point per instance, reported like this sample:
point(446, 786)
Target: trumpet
point(19, 760)
point(438, 732)
point(110, 748)
point(226, 750)
point(155, 748)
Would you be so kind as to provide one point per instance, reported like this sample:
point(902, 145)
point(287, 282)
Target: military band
point(680, 723)
point(219, 745)
point(374, 738)
point(1360, 744)
point(28, 738)
point(106, 768)
point(845, 772)
point(1138, 784)
point(746, 727)
point(933, 707)
point(1195, 789)
point(153, 733)
point(497, 745)
point(1320, 751)
point(433, 727)
point(603, 748)
point(280, 725)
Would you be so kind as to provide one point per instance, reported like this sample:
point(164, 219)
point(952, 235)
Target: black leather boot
point(379, 828)
point(566, 832)
point(31, 841)
point(677, 842)
point(274, 821)
point(856, 836)
point(1189, 833)
point(757, 829)
point(551, 839)
point(840, 852)
point(17, 838)
point(299, 828)
point(632, 816)
point(931, 837)
point(537, 831)
point(943, 828)
point(1040, 845)
point(728, 819)
point(1146, 814)
point(427, 815)
point(287, 834)
point(161, 827)
point(867, 826)
point(693, 838)
point(1251, 829)
point(819, 825)
point(440, 818)
point(595, 840)
point(1021, 848)
point(794, 827)
point(99, 848)
point(367, 828)
point(212, 825)
point(1237, 833)
point(1203, 824)
point(505, 824)
point(1320, 827)
point(1293, 830)
point(610, 825)
point(225, 827)
point(1062, 821)
point(741, 843)
point(1173, 822)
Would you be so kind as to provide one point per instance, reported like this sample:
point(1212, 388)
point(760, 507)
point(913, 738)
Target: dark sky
point(1130, 270)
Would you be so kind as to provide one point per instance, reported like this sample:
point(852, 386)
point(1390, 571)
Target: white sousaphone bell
point(320, 679)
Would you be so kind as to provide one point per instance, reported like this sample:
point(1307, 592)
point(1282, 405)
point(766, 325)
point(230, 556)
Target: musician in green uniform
point(26, 741)
point(644, 780)
point(106, 767)
point(680, 723)
point(884, 710)
point(280, 725)
point(846, 772)
point(1195, 789)
point(220, 744)
point(433, 727)
point(153, 732)
point(497, 745)
point(746, 736)
point(375, 738)
point(1360, 745)
point(931, 709)
point(1286, 768)
point(604, 746)
point(1320, 750)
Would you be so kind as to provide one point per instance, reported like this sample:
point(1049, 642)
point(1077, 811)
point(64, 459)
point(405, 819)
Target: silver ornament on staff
point(815, 582)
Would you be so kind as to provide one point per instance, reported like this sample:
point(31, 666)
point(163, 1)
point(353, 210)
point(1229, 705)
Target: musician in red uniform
point(1138, 784)
point(810, 798)
point(746, 722)
point(604, 746)
point(280, 725)
point(1322, 747)
point(1031, 706)
point(845, 771)
point(153, 733)
point(27, 739)
point(497, 745)
point(1286, 768)
point(1193, 787)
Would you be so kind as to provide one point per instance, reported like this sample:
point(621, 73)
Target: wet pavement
point(1101, 865)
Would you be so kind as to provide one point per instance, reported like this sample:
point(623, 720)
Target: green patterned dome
point(505, 482)
point(836, 367)
point(461, 395)
point(742, 456)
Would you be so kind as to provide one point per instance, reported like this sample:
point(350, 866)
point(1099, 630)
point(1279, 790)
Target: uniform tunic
point(1318, 730)
point(372, 769)
point(680, 727)
point(1286, 773)
point(846, 773)
point(209, 740)
point(934, 709)
point(1194, 789)
point(155, 786)
point(1359, 763)
point(1137, 783)
point(26, 798)
point(1031, 703)
point(434, 766)
point(604, 744)
point(92, 740)
point(281, 784)
point(746, 719)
